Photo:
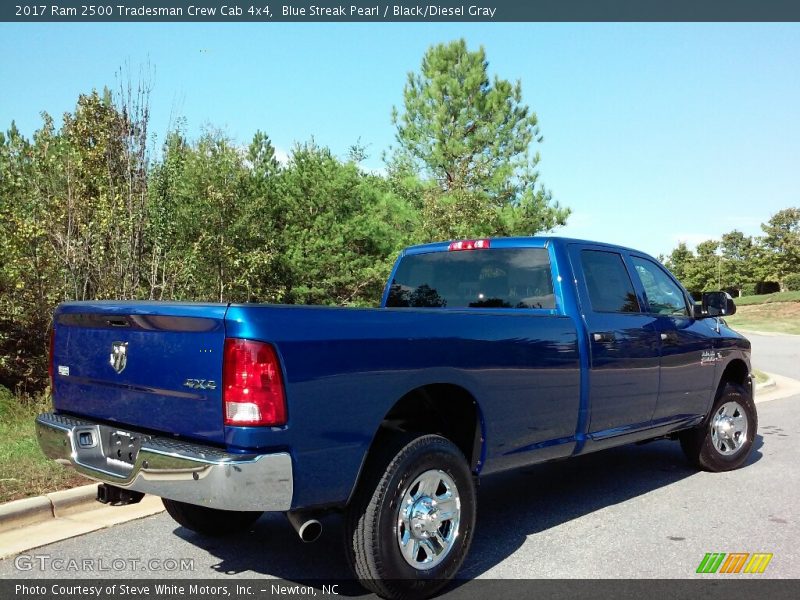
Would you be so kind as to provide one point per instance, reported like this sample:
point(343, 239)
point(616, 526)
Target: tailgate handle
point(118, 322)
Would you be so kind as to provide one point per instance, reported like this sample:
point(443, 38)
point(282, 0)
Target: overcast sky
point(653, 133)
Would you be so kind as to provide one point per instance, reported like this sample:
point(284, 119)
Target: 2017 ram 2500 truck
point(485, 355)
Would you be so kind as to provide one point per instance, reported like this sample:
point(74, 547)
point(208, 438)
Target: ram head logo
point(119, 356)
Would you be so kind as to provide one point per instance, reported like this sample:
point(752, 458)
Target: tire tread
point(363, 516)
point(695, 442)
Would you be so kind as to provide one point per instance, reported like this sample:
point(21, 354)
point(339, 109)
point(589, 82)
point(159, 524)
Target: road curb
point(29, 511)
point(80, 521)
point(766, 385)
point(33, 522)
point(777, 387)
point(25, 512)
point(67, 502)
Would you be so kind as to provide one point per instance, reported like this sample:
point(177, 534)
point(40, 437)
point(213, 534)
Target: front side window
point(493, 278)
point(663, 295)
point(607, 280)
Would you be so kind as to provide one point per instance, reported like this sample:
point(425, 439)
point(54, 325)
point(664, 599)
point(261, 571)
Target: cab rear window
point(491, 278)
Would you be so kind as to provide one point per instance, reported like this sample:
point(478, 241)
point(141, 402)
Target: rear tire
point(725, 439)
point(210, 521)
point(411, 521)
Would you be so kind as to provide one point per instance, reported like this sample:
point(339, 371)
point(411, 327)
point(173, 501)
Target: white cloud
point(281, 156)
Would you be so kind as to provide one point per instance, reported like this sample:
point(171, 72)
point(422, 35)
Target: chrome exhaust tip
point(308, 529)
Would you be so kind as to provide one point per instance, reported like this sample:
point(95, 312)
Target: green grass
point(24, 470)
point(778, 317)
point(767, 298)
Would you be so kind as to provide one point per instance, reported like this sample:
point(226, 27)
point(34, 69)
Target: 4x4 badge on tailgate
point(200, 384)
point(119, 356)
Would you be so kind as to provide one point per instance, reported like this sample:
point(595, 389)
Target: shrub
point(767, 287)
point(792, 282)
point(749, 289)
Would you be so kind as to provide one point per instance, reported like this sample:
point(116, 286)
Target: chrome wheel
point(428, 519)
point(729, 428)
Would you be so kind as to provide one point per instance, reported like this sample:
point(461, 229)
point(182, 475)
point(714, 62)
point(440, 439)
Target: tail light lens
point(252, 386)
point(51, 370)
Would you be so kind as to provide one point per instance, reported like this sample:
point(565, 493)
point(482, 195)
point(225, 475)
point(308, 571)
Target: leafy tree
point(258, 263)
point(338, 230)
point(72, 210)
point(738, 266)
point(211, 220)
point(782, 241)
point(165, 186)
point(87, 213)
point(679, 262)
point(25, 264)
point(470, 137)
point(704, 271)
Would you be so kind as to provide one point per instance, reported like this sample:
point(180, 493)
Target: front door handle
point(669, 336)
point(604, 336)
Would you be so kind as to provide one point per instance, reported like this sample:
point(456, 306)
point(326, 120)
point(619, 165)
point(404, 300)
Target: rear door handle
point(669, 336)
point(604, 336)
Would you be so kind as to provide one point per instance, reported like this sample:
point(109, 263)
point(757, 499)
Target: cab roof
point(517, 242)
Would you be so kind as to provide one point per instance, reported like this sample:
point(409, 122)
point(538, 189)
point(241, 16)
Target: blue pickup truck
point(485, 355)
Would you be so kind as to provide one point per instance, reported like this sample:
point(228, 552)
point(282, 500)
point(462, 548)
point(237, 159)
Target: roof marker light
point(469, 245)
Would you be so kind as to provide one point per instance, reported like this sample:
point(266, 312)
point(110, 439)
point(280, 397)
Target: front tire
point(210, 521)
point(411, 521)
point(725, 439)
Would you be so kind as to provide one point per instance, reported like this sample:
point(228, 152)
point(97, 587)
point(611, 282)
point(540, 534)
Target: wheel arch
point(736, 371)
point(446, 409)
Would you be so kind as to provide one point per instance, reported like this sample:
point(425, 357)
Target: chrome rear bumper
point(169, 468)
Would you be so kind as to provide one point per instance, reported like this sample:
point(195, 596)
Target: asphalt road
point(779, 354)
point(631, 512)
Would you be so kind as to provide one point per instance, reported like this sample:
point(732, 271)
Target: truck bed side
point(344, 369)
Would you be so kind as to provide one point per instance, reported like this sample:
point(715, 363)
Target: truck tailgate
point(147, 365)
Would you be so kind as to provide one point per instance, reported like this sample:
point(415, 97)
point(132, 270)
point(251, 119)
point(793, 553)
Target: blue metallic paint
point(149, 393)
point(346, 368)
point(529, 371)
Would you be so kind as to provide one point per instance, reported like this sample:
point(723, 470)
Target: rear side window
point(608, 282)
point(494, 278)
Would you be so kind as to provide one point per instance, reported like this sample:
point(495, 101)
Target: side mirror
point(718, 304)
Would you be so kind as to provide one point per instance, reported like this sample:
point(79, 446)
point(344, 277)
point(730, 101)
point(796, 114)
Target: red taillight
point(252, 387)
point(469, 245)
point(50, 366)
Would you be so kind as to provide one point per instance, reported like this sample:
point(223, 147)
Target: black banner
point(267, 11)
point(712, 587)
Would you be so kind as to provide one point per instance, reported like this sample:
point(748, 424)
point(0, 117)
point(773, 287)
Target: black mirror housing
point(718, 304)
